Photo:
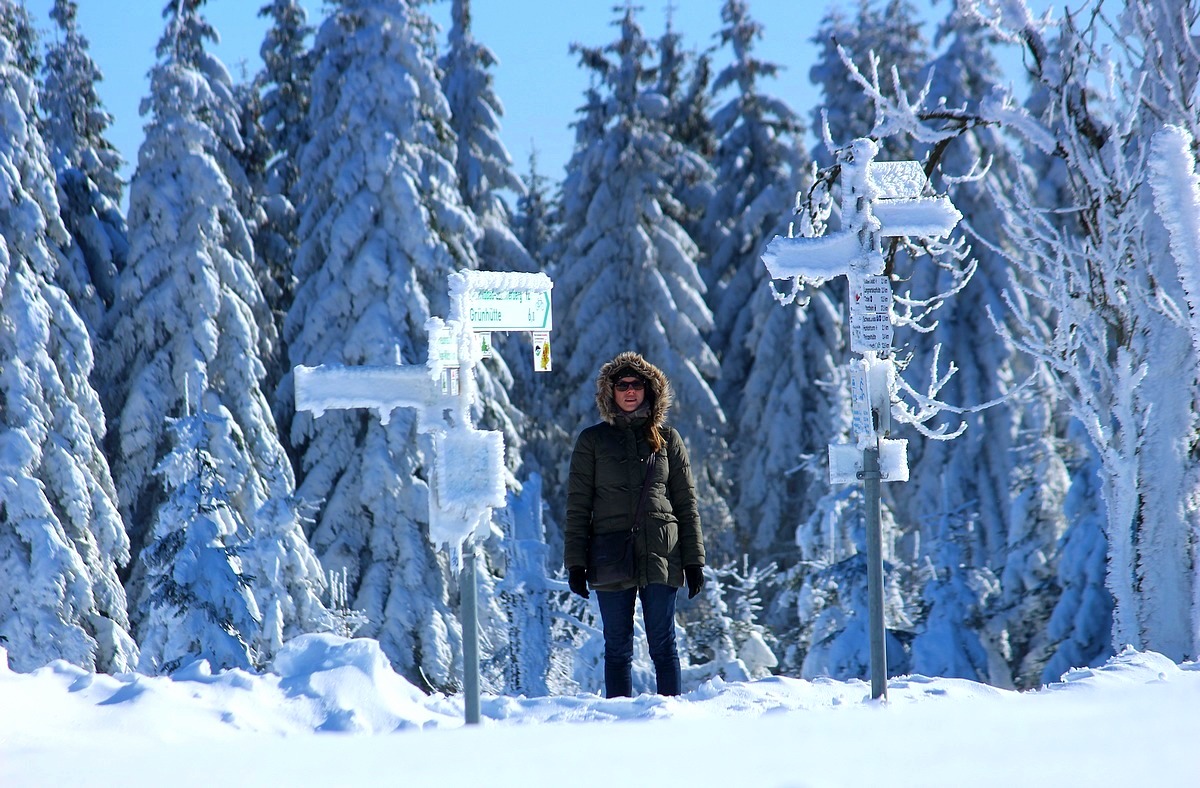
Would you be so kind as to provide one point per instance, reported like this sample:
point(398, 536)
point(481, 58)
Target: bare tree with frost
point(1117, 339)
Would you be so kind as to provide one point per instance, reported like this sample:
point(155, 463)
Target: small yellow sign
point(541, 352)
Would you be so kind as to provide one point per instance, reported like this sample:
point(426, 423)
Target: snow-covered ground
point(333, 713)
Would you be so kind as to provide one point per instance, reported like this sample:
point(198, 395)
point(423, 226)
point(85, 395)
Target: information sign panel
point(541, 352)
point(509, 310)
point(449, 382)
point(443, 345)
point(870, 313)
point(871, 294)
point(870, 332)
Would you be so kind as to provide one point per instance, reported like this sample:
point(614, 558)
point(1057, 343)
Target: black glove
point(578, 581)
point(695, 578)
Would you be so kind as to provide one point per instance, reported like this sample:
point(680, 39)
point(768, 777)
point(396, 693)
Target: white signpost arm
point(381, 389)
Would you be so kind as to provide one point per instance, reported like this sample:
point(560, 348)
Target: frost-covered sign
point(469, 465)
point(486, 301)
point(901, 205)
point(846, 461)
point(897, 180)
point(879, 199)
point(507, 302)
point(381, 389)
point(884, 199)
point(443, 344)
point(862, 423)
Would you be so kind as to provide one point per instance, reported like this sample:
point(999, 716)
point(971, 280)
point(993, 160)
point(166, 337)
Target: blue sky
point(538, 79)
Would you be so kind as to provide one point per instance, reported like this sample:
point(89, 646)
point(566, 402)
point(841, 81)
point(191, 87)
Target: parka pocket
point(662, 534)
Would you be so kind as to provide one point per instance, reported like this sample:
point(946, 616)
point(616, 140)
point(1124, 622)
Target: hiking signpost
point(879, 200)
point(468, 468)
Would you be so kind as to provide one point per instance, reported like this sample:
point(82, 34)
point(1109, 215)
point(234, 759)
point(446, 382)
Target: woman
point(608, 469)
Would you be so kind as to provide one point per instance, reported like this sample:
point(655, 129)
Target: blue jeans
point(658, 615)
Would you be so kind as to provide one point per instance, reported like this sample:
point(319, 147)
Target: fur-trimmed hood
point(658, 388)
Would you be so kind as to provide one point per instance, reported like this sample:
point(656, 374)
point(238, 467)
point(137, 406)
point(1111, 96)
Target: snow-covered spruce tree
point(809, 391)
point(550, 432)
point(534, 222)
point(18, 29)
point(382, 223)
point(1079, 631)
point(483, 163)
point(772, 357)
point(62, 541)
point(727, 640)
point(285, 84)
point(893, 33)
point(682, 80)
point(794, 400)
point(527, 595)
point(758, 164)
point(86, 164)
point(484, 169)
point(817, 610)
point(189, 322)
point(196, 600)
point(627, 277)
point(1117, 340)
point(831, 604)
point(278, 108)
point(786, 417)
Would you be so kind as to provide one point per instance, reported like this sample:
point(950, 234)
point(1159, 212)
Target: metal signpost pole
point(871, 477)
point(469, 591)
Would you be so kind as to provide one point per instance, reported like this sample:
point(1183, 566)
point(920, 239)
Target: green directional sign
point(509, 310)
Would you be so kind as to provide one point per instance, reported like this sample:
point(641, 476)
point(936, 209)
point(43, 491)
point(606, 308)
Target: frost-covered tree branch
point(1096, 295)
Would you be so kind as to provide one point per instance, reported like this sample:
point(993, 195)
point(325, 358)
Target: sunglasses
point(626, 385)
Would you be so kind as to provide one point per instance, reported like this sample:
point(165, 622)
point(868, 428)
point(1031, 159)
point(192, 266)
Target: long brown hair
point(654, 437)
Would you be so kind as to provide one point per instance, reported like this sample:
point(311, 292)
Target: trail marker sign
point(467, 479)
point(879, 199)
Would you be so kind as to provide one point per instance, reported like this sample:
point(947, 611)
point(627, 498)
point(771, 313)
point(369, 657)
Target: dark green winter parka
point(608, 468)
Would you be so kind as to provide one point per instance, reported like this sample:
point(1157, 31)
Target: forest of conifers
point(161, 500)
